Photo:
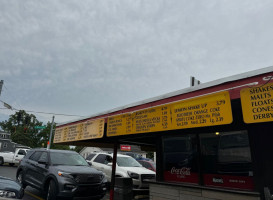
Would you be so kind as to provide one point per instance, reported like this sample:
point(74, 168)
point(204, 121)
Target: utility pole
point(50, 136)
point(1, 84)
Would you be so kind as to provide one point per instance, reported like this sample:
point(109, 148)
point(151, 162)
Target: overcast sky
point(82, 57)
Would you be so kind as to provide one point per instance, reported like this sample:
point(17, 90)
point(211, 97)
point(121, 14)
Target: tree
point(44, 138)
point(21, 126)
point(78, 148)
point(150, 155)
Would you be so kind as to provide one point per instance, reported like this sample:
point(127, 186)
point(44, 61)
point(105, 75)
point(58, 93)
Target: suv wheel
point(1, 161)
point(51, 191)
point(20, 179)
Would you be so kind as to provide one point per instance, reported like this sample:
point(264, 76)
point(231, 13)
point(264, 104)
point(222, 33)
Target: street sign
point(40, 127)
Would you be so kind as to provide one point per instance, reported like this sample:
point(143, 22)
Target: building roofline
point(179, 92)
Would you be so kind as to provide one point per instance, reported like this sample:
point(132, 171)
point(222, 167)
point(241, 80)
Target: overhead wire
point(40, 112)
point(11, 94)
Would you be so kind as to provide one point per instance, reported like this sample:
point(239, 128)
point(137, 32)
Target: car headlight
point(7, 194)
point(65, 174)
point(133, 175)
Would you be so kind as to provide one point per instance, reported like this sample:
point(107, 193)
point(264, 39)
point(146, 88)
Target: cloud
point(85, 57)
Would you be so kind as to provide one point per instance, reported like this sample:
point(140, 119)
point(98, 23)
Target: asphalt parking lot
point(33, 194)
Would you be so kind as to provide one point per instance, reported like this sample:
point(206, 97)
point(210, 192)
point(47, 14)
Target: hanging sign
point(151, 120)
point(81, 131)
point(119, 125)
point(257, 103)
point(125, 148)
point(210, 110)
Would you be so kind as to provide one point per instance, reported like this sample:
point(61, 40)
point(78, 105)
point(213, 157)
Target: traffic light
point(25, 130)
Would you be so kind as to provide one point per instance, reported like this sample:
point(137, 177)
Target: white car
point(12, 157)
point(126, 167)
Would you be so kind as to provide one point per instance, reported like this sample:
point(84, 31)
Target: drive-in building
point(212, 141)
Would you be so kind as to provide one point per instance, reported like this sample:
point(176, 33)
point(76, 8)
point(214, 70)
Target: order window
point(180, 159)
point(226, 160)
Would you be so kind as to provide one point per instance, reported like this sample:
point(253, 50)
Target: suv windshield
point(72, 159)
point(127, 162)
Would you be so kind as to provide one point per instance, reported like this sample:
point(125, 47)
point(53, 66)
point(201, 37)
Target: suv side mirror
point(42, 161)
point(89, 163)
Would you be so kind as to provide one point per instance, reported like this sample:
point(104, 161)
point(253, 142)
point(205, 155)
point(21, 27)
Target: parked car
point(10, 189)
point(126, 167)
point(136, 156)
point(148, 164)
point(61, 173)
point(12, 157)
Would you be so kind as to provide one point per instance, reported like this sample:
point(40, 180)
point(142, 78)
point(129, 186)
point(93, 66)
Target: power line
point(11, 94)
point(50, 113)
point(8, 107)
point(40, 112)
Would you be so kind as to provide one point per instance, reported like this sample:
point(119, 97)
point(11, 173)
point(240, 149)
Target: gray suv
point(60, 173)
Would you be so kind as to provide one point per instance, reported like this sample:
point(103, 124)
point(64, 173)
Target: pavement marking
point(33, 195)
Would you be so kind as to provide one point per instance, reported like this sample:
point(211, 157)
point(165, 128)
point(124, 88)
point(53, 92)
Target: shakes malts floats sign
point(257, 103)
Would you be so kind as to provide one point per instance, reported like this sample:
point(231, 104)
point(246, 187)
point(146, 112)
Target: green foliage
point(78, 148)
point(21, 126)
point(150, 155)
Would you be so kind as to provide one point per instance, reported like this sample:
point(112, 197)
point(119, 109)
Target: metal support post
point(1, 85)
point(113, 176)
point(50, 136)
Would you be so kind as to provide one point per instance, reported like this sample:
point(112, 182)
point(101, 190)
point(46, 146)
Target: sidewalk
point(137, 197)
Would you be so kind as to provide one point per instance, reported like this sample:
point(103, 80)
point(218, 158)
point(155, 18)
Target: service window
point(226, 160)
point(180, 159)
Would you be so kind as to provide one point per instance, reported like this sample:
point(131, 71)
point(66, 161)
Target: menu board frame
point(207, 110)
point(257, 103)
point(91, 129)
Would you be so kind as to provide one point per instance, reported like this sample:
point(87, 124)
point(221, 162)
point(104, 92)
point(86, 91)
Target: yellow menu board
point(81, 131)
point(58, 136)
point(209, 110)
point(119, 125)
point(151, 120)
point(257, 103)
point(92, 129)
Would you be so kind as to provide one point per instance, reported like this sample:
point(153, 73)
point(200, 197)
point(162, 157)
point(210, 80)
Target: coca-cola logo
point(185, 171)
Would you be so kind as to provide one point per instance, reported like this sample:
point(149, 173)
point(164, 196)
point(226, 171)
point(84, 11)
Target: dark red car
point(148, 164)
